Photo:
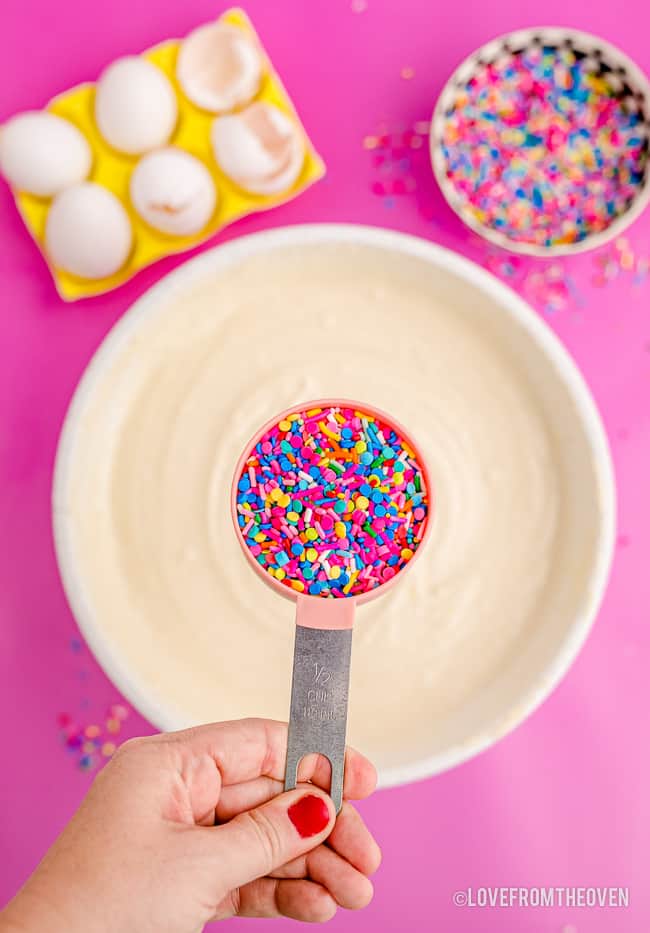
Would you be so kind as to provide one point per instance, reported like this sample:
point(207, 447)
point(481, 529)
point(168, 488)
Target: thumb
point(257, 842)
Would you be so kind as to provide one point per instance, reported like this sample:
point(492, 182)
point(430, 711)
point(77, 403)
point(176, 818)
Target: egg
point(88, 232)
point(41, 153)
point(135, 106)
point(219, 67)
point(173, 192)
point(261, 149)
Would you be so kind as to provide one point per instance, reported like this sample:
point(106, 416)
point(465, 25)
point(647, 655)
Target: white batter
point(163, 569)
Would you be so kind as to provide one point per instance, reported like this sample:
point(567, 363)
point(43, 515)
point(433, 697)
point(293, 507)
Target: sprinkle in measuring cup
point(332, 502)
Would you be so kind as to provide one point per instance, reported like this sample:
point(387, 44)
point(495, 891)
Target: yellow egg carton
point(113, 169)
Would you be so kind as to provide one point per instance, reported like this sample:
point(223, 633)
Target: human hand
point(143, 854)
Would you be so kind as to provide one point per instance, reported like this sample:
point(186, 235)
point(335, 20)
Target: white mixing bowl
point(534, 664)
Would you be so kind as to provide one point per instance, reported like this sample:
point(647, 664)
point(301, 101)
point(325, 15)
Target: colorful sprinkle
point(399, 157)
point(545, 146)
point(619, 260)
point(355, 502)
point(90, 744)
point(551, 289)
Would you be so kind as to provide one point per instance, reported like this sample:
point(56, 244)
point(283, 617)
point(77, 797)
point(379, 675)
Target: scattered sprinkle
point(544, 146)
point(407, 73)
point(90, 744)
point(358, 492)
point(550, 289)
point(399, 156)
point(619, 260)
point(642, 269)
point(359, 6)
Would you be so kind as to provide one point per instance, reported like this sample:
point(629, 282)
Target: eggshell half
point(219, 67)
point(261, 149)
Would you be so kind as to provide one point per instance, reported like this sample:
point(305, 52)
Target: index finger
point(246, 749)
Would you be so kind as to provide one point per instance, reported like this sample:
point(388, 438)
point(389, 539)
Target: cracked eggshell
point(135, 105)
point(261, 149)
point(173, 192)
point(42, 153)
point(219, 67)
point(88, 232)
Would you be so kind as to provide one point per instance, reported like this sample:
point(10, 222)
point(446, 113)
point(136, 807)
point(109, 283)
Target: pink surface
point(562, 801)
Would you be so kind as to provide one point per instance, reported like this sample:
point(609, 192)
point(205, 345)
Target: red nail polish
point(309, 815)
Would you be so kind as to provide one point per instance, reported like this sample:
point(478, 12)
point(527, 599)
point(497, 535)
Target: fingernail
point(309, 815)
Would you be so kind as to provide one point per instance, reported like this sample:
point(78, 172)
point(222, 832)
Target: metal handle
point(319, 694)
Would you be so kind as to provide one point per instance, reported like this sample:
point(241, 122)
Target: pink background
point(562, 801)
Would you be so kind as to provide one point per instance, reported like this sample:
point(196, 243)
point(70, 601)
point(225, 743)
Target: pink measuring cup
point(323, 636)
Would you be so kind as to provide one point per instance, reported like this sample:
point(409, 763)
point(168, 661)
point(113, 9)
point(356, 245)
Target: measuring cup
point(321, 662)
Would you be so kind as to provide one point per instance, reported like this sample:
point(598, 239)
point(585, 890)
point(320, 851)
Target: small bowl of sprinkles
point(539, 141)
point(331, 500)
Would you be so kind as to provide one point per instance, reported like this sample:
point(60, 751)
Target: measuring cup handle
point(319, 687)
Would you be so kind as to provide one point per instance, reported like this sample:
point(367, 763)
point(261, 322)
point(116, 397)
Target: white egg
point(88, 232)
point(42, 153)
point(172, 191)
point(261, 149)
point(219, 67)
point(135, 105)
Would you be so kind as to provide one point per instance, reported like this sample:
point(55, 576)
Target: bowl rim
point(153, 707)
point(554, 35)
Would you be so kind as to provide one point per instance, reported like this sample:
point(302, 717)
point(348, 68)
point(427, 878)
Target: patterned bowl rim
point(521, 38)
